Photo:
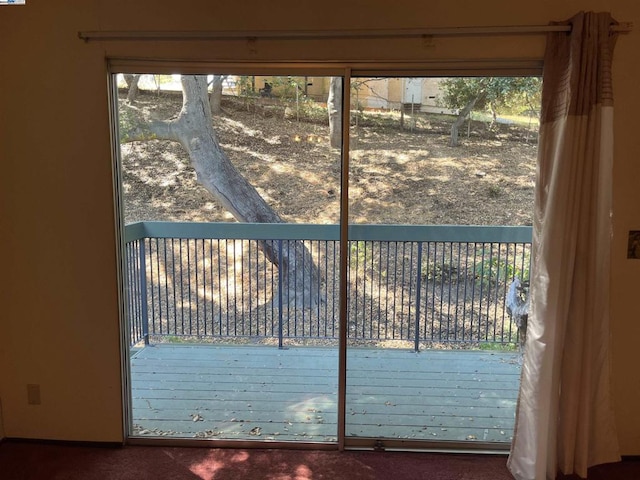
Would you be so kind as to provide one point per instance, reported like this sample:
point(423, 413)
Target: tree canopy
point(494, 94)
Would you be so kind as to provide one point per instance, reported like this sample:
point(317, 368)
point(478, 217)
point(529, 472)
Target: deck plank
point(258, 392)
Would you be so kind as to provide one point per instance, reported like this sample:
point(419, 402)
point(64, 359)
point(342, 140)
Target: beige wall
point(59, 321)
point(373, 93)
point(317, 87)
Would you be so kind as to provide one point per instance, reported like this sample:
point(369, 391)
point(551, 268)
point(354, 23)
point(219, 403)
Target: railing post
point(143, 291)
point(418, 288)
point(280, 302)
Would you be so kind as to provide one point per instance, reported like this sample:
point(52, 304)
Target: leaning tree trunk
point(132, 85)
point(194, 131)
point(216, 95)
point(453, 141)
point(334, 105)
point(494, 115)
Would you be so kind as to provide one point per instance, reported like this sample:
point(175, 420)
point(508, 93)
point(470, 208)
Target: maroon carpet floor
point(41, 461)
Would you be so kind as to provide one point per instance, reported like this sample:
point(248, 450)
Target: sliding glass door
point(230, 197)
point(440, 197)
point(324, 259)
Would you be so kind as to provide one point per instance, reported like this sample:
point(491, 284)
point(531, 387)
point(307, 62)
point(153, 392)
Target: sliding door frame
point(344, 260)
point(347, 71)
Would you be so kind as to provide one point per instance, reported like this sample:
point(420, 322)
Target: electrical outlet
point(33, 394)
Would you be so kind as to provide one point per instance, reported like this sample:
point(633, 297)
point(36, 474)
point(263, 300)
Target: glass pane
point(441, 189)
point(232, 287)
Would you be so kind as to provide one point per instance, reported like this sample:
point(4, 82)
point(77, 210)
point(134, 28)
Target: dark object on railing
point(266, 91)
point(518, 306)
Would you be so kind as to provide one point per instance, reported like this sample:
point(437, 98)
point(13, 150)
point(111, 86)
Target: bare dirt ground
point(398, 174)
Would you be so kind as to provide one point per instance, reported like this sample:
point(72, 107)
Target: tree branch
point(134, 127)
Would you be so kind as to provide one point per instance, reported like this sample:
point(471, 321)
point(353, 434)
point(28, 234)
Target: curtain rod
point(87, 36)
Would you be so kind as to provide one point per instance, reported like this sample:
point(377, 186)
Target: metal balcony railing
point(413, 285)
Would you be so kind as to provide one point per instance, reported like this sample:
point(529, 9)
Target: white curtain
point(564, 419)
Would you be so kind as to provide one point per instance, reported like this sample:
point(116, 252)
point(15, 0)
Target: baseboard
point(66, 443)
point(1, 423)
point(631, 458)
point(90, 444)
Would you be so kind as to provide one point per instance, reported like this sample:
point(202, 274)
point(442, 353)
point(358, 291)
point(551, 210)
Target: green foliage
point(363, 261)
point(290, 90)
point(126, 122)
point(504, 94)
point(445, 272)
point(246, 84)
point(496, 271)
point(132, 125)
point(174, 339)
point(313, 111)
point(498, 347)
point(286, 87)
point(358, 253)
point(287, 93)
point(494, 190)
point(309, 109)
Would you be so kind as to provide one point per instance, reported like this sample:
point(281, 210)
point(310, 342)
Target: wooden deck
point(263, 393)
